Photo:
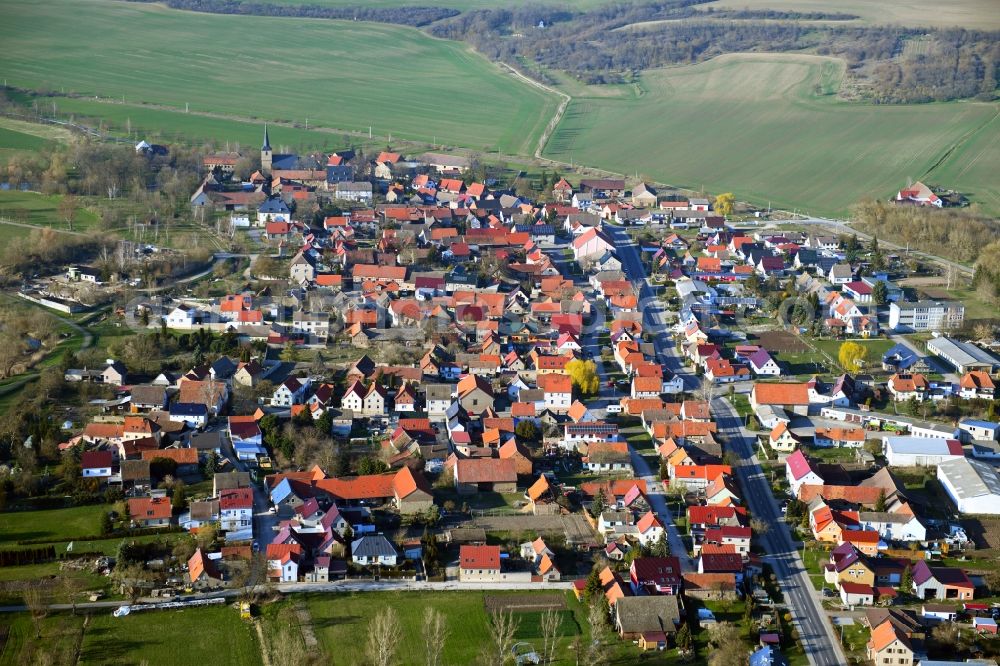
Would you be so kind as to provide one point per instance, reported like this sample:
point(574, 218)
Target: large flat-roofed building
point(963, 356)
point(973, 485)
point(907, 317)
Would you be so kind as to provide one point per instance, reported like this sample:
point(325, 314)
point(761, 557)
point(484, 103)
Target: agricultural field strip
point(499, 112)
point(802, 149)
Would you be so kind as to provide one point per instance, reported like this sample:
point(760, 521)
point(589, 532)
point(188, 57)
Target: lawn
point(52, 524)
point(340, 619)
point(339, 75)
point(875, 347)
point(813, 559)
point(755, 124)
point(213, 635)
point(40, 210)
point(60, 636)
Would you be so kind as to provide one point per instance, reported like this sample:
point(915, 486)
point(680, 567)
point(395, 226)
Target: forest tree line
point(959, 235)
point(953, 63)
point(412, 16)
point(950, 63)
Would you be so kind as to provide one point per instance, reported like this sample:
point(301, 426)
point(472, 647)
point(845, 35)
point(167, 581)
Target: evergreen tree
point(906, 580)
point(880, 293)
point(683, 638)
point(597, 506)
point(592, 588)
point(880, 503)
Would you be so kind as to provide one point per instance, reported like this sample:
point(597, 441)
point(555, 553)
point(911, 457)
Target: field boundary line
point(556, 117)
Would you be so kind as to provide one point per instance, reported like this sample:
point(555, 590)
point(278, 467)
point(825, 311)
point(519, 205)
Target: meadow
point(973, 14)
point(335, 74)
point(213, 635)
point(50, 524)
point(770, 129)
point(40, 210)
point(338, 620)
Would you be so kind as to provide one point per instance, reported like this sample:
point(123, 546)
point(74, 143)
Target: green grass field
point(875, 349)
point(50, 524)
point(14, 140)
point(40, 210)
point(754, 125)
point(215, 635)
point(338, 75)
point(975, 163)
point(168, 126)
point(340, 619)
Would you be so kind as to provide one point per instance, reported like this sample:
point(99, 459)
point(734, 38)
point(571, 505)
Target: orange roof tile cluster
point(179, 456)
point(864, 495)
point(479, 557)
point(781, 393)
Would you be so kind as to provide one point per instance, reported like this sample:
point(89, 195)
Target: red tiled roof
point(479, 557)
point(781, 394)
point(180, 456)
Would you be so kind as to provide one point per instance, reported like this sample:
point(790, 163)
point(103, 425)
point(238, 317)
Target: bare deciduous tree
point(497, 651)
point(435, 633)
point(384, 634)
point(36, 607)
point(550, 635)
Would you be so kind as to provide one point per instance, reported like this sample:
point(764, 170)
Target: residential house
point(283, 562)
point(781, 438)
point(977, 384)
point(890, 646)
point(236, 509)
point(649, 618)
point(96, 464)
point(290, 392)
point(479, 564)
point(373, 550)
point(608, 457)
point(154, 511)
point(799, 471)
point(905, 386)
point(655, 575)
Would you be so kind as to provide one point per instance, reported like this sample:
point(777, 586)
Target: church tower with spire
point(265, 153)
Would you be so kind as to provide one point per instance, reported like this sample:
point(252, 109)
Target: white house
point(96, 464)
point(182, 317)
point(799, 472)
point(290, 392)
point(893, 526)
point(591, 244)
point(650, 529)
point(283, 562)
point(236, 509)
point(761, 363)
point(374, 549)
